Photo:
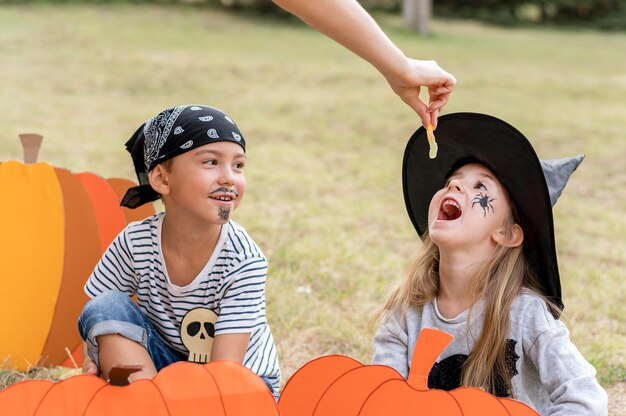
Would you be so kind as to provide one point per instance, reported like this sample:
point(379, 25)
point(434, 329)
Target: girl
point(487, 272)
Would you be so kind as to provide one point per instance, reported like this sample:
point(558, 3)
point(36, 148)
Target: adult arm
point(346, 22)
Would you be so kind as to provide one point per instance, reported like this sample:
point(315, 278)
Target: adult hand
point(407, 84)
point(349, 24)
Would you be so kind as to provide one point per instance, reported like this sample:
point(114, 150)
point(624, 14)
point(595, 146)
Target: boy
point(199, 278)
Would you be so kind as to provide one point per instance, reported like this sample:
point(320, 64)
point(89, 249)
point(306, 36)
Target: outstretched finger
point(434, 114)
point(422, 110)
point(411, 97)
point(438, 103)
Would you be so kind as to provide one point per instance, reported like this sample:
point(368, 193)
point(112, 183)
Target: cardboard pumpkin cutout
point(340, 386)
point(55, 226)
point(220, 388)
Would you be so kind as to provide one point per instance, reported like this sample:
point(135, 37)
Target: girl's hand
point(416, 74)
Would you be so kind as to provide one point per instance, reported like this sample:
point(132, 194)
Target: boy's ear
point(514, 238)
point(159, 179)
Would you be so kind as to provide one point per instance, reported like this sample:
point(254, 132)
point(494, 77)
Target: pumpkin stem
point(430, 343)
point(31, 143)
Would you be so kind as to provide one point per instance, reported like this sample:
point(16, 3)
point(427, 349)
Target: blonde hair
point(497, 283)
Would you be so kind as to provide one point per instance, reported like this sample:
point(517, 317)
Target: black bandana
point(170, 133)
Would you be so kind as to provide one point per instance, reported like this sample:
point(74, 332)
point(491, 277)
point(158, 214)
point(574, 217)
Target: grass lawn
point(325, 143)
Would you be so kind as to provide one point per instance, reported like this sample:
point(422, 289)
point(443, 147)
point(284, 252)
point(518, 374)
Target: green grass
point(326, 138)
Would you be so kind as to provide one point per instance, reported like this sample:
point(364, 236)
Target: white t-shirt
point(231, 284)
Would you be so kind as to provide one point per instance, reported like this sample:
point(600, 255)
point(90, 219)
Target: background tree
point(417, 15)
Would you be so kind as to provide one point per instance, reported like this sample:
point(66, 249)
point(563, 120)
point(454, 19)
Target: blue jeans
point(115, 313)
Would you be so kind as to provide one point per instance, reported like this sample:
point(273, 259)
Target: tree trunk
point(417, 15)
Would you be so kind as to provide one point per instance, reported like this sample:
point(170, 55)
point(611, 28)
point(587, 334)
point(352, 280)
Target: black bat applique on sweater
point(446, 374)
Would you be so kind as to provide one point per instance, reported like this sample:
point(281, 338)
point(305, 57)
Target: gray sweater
point(549, 374)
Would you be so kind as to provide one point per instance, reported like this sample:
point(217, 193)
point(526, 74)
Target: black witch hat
point(533, 185)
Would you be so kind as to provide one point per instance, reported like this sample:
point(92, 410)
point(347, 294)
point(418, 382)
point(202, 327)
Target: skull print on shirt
point(197, 330)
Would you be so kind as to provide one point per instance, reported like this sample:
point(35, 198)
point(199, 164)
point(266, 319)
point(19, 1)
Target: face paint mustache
point(223, 190)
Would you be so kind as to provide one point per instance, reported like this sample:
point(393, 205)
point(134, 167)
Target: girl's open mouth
point(450, 210)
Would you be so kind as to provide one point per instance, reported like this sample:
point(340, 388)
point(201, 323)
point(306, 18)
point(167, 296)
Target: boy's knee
point(107, 303)
point(108, 306)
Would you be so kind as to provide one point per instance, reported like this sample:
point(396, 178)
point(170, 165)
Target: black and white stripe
point(232, 284)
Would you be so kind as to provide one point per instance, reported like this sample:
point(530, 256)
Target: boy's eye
point(239, 165)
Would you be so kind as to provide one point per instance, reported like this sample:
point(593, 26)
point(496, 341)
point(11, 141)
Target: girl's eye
point(211, 162)
point(239, 165)
point(480, 185)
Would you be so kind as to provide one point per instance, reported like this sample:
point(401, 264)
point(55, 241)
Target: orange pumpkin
point(217, 388)
point(340, 386)
point(55, 226)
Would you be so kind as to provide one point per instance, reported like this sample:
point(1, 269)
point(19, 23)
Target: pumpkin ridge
point(167, 408)
point(44, 406)
point(306, 385)
point(32, 226)
point(371, 374)
point(34, 389)
point(217, 386)
point(517, 408)
point(82, 252)
point(140, 396)
point(234, 381)
point(198, 391)
point(374, 392)
point(90, 401)
point(51, 228)
point(105, 204)
point(474, 399)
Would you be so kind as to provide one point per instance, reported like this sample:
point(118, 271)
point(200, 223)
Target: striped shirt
point(232, 284)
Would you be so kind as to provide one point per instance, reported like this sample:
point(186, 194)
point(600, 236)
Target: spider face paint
point(484, 201)
point(224, 213)
point(454, 218)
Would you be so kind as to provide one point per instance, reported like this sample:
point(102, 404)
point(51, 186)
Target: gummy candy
point(431, 142)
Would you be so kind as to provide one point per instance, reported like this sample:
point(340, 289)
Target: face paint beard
point(224, 213)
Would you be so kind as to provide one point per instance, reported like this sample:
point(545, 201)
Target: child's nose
point(227, 176)
point(455, 185)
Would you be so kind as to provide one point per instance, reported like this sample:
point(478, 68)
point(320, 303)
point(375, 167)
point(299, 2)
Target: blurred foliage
point(601, 14)
point(605, 14)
